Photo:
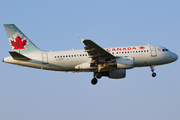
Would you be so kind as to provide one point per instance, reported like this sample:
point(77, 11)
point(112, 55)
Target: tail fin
point(18, 41)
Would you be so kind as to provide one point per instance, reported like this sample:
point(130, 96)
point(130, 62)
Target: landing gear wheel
point(152, 69)
point(98, 75)
point(94, 81)
point(153, 74)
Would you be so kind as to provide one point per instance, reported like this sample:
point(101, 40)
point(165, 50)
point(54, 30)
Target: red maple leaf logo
point(18, 43)
point(142, 47)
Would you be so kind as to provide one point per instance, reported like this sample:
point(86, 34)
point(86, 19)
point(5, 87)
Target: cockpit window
point(165, 50)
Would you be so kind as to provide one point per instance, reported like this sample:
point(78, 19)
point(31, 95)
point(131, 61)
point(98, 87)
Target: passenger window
point(112, 52)
point(55, 56)
point(147, 50)
point(141, 50)
point(116, 52)
point(74, 55)
point(144, 50)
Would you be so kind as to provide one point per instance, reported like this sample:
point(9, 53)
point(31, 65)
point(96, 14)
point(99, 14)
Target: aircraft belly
point(149, 60)
point(67, 64)
point(144, 60)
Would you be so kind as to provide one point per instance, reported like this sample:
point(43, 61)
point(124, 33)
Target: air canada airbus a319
point(110, 62)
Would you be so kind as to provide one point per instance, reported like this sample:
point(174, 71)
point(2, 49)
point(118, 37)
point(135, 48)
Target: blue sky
point(27, 93)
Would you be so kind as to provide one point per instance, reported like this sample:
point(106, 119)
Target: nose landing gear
point(152, 69)
point(153, 74)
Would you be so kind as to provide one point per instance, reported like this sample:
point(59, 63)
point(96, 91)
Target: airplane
point(107, 62)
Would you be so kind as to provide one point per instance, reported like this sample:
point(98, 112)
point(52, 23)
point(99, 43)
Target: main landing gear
point(94, 81)
point(96, 75)
point(152, 69)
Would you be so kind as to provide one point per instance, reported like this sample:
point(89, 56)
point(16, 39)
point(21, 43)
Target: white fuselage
point(67, 60)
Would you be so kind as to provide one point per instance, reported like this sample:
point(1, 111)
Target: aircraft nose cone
point(174, 56)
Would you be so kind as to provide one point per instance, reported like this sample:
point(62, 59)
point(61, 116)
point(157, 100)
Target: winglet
point(81, 39)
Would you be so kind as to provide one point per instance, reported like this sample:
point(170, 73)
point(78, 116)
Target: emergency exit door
point(153, 51)
point(44, 58)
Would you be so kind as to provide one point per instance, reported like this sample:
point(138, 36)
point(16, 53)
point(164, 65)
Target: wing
point(95, 52)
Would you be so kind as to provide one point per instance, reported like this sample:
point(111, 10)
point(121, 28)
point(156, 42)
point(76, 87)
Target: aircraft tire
point(98, 75)
point(153, 74)
point(94, 81)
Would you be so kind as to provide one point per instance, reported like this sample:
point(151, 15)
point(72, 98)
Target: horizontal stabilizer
point(18, 56)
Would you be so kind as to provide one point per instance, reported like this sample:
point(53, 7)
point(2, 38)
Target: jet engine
point(115, 74)
point(122, 63)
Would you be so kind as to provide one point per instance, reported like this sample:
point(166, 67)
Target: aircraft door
point(44, 58)
point(153, 51)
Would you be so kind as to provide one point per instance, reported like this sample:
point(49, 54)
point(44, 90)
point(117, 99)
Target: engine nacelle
point(125, 62)
point(115, 74)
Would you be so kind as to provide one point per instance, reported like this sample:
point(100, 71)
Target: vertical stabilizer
point(18, 41)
